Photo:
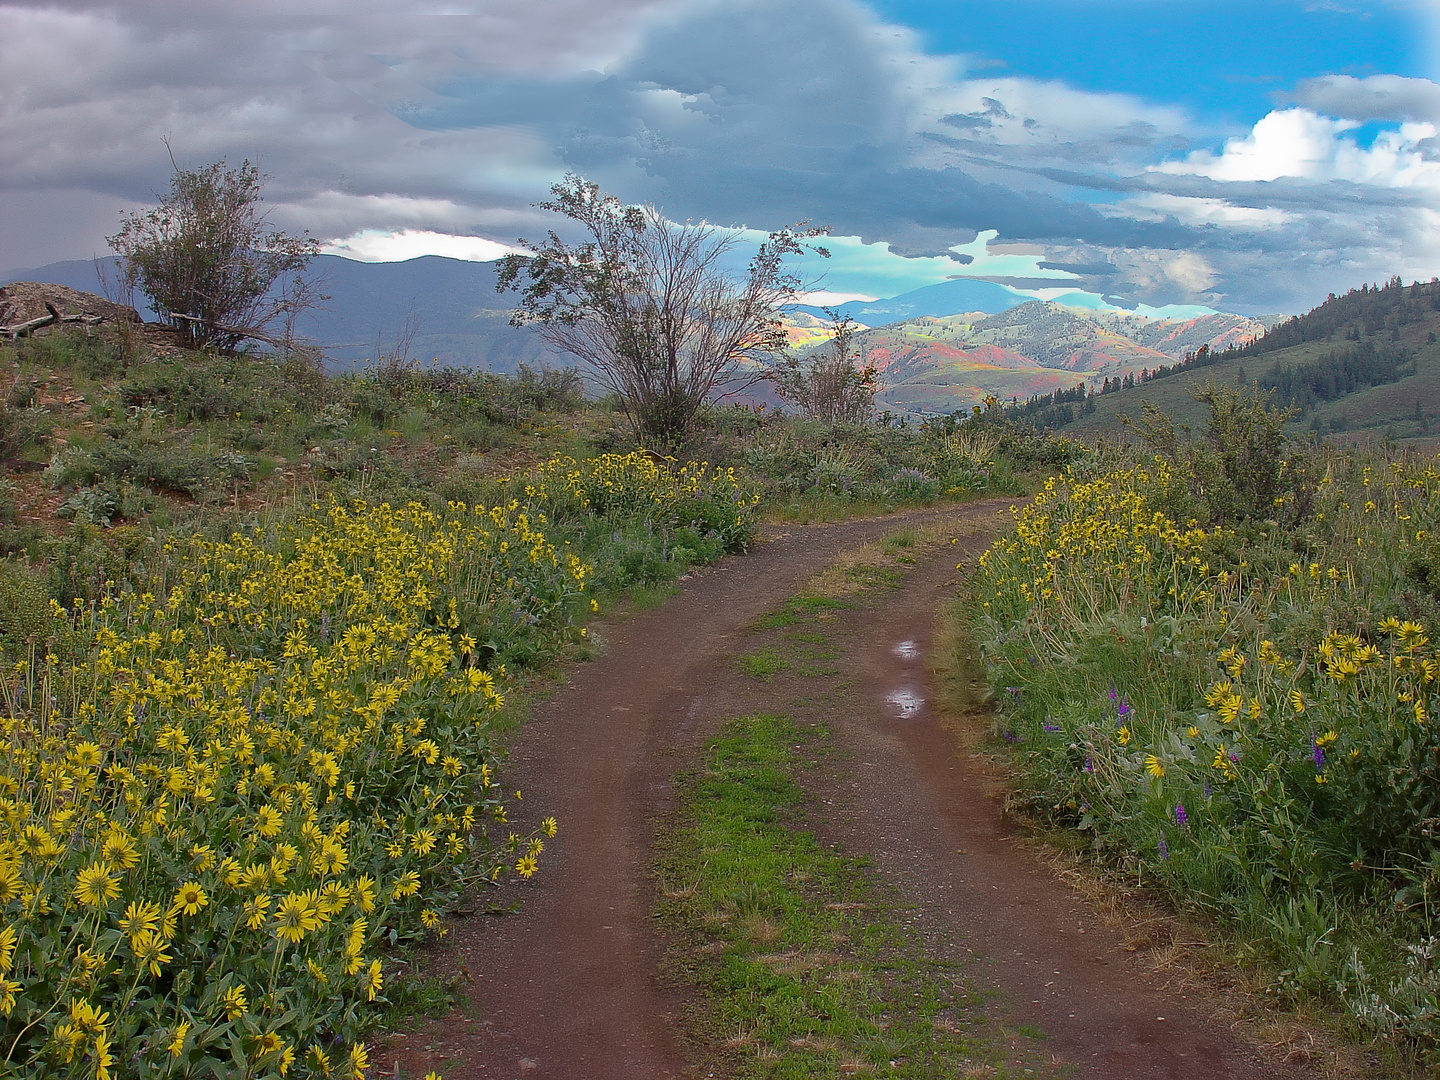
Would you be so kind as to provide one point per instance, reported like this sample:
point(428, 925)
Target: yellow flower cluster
point(1082, 548)
point(217, 796)
point(626, 484)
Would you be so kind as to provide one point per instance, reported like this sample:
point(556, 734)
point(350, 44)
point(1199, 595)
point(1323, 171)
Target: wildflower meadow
point(1240, 708)
point(234, 781)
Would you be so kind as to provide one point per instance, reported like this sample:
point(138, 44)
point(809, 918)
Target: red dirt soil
point(570, 988)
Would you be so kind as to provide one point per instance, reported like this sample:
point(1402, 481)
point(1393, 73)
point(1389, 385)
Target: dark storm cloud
point(371, 114)
point(1378, 97)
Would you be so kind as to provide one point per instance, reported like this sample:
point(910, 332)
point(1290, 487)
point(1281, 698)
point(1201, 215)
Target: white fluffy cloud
point(378, 245)
point(1302, 144)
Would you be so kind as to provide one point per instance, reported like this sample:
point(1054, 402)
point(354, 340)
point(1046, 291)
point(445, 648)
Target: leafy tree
point(832, 383)
point(209, 262)
point(647, 305)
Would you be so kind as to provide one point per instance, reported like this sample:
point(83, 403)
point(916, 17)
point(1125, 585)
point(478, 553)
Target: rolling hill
point(946, 298)
point(455, 315)
point(1364, 363)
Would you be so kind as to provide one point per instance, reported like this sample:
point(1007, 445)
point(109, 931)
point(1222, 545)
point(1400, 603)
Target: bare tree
point(833, 383)
point(210, 263)
point(646, 304)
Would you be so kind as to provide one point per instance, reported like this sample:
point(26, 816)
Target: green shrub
point(22, 428)
point(1245, 470)
point(80, 567)
point(24, 604)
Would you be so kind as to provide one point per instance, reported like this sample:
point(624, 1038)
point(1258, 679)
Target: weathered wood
point(23, 329)
point(29, 326)
point(238, 331)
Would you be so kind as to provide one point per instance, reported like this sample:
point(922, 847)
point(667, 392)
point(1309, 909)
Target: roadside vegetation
point(1213, 661)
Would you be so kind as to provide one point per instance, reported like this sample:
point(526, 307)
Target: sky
point(1157, 155)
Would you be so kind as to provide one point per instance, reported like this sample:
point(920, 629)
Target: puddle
point(907, 650)
point(907, 703)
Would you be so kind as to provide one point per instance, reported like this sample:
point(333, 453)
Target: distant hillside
point(945, 298)
point(1367, 361)
point(1175, 337)
point(458, 318)
point(938, 365)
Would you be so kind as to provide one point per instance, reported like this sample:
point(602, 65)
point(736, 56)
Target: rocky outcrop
point(27, 306)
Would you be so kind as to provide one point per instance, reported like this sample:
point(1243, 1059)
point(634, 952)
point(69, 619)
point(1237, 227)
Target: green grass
point(867, 576)
point(799, 609)
point(410, 998)
point(898, 545)
point(763, 664)
point(805, 967)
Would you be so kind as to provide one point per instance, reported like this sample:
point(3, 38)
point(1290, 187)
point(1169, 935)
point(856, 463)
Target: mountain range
point(939, 348)
point(939, 364)
point(439, 310)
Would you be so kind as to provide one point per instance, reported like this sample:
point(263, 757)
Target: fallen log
point(237, 331)
point(28, 327)
point(53, 316)
point(79, 317)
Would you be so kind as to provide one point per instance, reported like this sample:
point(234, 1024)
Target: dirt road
point(570, 989)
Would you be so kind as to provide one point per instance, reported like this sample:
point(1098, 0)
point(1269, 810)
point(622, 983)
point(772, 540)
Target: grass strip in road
point(800, 952)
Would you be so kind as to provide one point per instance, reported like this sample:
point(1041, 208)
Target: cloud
point(1205, 211)
point(826, 298)
point(1302, 144)
point(1377, 97)
point(375, 245)
point(441, 124)
point(314, 91)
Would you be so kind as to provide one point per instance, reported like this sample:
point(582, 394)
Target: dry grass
point(760, 930)
point(800, 963)
point(866, 566)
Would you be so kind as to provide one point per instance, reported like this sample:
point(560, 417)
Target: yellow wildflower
point(233, 1002)
point(176, 1045)
point(95, 886)
point(189, 899)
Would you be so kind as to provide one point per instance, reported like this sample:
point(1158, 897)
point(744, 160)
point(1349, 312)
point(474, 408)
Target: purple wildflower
point(1089, 764)
point(1123, 709)
point(1164, 849)
point(1180, 815)
point(1207, 789)
point(1319, 756)
point(1052, 727)
point(1113, 696)
point(1010, 736)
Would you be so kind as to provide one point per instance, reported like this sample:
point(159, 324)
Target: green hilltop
point(1363, 363)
